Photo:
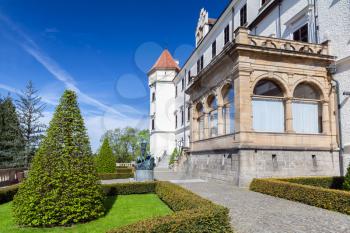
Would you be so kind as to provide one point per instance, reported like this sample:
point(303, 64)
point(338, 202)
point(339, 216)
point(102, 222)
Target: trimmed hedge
point(112, 176)
point(125, 170)
point(326, 198)
point(192, 214)
point(7, 193)
point(335, 182)
point(129, 188)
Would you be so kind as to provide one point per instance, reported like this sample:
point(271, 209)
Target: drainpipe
point(315, 21)
point(184, 110)
point(341, 149)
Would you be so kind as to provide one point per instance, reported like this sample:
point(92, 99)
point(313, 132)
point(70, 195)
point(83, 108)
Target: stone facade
point(242, 65)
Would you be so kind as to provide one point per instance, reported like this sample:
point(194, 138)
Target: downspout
point(315, 21)
point(184, 110)
point(341, 149)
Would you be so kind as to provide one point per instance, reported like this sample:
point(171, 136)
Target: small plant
point(105, 160)
point(173, 157)
point(62, 187)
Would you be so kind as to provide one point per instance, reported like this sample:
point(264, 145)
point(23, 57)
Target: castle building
point(264, 94)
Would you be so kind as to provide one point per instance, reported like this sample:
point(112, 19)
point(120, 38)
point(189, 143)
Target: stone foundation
point(240, 167)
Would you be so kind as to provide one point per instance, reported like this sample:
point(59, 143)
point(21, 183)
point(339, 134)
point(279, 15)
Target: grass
point(121, 210)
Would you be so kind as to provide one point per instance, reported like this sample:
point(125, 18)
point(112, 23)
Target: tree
point(105, 161)
point(346, 184)
point(11, 138)
point(30, 108)
point(62, 187)
point(125, 143)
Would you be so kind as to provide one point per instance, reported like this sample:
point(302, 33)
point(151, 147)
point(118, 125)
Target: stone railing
point(10, 176)
point(242, 37)
point(124, 164)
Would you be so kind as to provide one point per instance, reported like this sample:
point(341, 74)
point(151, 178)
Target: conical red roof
point(165, 62)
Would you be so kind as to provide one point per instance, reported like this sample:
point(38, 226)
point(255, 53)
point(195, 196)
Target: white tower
point(162, 105)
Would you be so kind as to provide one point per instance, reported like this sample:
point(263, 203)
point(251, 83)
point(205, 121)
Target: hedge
point(192, 214)
point(125, 170)
point(112, 176)
point(129, 188)
point(335, 182)
point(7, 193)
point(331, 199)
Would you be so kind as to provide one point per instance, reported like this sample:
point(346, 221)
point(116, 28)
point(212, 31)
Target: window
point(213, 49)
point(188, 113)
point(189, 78)
point(307, 110)
point(153, 124)
point(243, 14)
point(227, 34)
point(198, 66)
point(302, 34)
point(268, 107)
point(182, 84)
point(228, 110)
point(202, 62)
point(263, 2)
point(213, 116)
point(153, 96)
point(175, 120)
point(200, 121)
point(175, 90)
point(182, 116)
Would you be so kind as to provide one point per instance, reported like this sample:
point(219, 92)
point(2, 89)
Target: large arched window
point(228, 109)
point(200, 121)
point(268, 107)
point(213, 116)
point(307, 109)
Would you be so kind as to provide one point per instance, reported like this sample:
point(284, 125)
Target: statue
point(144, 165)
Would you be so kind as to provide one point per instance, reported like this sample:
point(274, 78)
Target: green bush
point(129, 188)
point(173, 156)
point(336, 200)
point(112, 176)
point(192, 214)
point(335, 182)
point(124, 170)
point(62, 187)
point(105, 160)
point(346, 183)
point(7, 193)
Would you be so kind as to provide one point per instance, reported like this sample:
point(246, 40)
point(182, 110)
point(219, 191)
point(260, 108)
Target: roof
point(165, 62)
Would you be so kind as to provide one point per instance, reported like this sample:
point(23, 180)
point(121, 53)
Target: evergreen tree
point(346, 184)
point(30, 108)
point(62, 187)
point(11, 139)
point(105, 161)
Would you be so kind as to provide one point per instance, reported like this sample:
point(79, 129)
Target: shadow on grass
point(108, 203)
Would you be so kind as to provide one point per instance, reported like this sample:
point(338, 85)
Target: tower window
point(213, 49)
point(175, 120)
point(243, 14)
point(153, 127)
point(302, 34)
point(198, 66)
point(188, 113)
point(182, 116)
point(189, 77)
point(202, 62)
point(153, 96)
point(175, 90)
point(227, 34)
point(182, 84)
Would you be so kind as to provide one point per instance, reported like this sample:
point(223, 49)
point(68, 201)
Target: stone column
point(220, 121)
point(289, 115)
point(325, 118)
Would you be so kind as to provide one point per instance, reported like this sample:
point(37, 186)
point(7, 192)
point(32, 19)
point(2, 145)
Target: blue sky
point(100, 48)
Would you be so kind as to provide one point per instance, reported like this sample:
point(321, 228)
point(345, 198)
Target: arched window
point(213, 116)
point(268, 107)
point(307, 109)
point(200, 121)
point(228, 109)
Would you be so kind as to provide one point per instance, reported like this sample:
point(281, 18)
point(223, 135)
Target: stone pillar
point(289, 115)
point(220, 121)
point(325, 118)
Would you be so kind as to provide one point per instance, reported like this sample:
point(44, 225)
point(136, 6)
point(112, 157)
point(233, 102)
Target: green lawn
point(123, 210)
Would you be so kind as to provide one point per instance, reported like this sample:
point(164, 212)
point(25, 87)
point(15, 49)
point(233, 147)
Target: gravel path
point(253, 212)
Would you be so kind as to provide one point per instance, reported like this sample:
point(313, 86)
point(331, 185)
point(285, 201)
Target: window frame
point(213, 49)
point(243, 15)
point(297, 34)
point(227, 34)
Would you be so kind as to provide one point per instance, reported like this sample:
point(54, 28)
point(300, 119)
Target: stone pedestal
point(144, 175)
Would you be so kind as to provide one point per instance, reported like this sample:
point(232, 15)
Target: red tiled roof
point(165, 61)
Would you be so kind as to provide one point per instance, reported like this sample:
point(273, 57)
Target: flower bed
point(315, 191)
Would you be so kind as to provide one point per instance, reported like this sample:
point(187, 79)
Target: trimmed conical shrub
point(62, 187)
point(105, 161)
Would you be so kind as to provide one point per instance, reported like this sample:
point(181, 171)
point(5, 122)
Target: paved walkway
point(253, 212)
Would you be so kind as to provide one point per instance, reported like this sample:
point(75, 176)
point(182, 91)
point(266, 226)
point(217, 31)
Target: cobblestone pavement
point(253, 212)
